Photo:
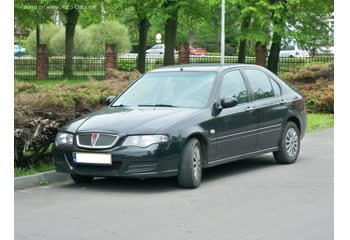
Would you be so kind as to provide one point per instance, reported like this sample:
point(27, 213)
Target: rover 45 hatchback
point(175, 121)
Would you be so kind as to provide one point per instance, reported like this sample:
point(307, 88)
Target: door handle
point(282, 101)
point(248, 109)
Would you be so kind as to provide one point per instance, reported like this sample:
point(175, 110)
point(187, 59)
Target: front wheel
point(289, 145)
point(190, 170)
point(81, 178)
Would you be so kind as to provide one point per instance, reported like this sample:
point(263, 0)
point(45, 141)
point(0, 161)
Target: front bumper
point(157, 160)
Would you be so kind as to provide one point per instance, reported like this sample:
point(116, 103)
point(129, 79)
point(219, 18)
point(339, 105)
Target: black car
point(176, 120)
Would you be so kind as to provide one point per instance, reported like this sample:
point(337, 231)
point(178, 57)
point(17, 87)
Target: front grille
point(96, 140)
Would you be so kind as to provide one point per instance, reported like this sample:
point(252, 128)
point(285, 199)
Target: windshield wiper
point(156, 105)
point(119, 105)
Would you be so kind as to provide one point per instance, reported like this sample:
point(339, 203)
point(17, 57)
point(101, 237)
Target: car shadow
point(158, 185)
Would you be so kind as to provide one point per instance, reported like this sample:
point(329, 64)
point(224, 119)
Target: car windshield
point(169, 89)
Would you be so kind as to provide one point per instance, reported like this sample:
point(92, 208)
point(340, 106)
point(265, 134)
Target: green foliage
point(107, 32)
point(81, 38)
point(87, 42)
point(48, 32)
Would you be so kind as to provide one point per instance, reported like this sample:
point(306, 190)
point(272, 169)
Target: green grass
point(41, 167)
point(317, 121)
point(54, 82)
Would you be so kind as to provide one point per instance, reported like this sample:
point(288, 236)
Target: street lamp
point(222, 32)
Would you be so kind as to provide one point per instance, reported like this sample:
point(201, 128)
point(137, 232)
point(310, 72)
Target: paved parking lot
point(245, 200)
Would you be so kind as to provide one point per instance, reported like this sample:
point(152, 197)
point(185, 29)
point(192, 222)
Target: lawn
point(317, 121)
point(42, 167)
point(53, 82)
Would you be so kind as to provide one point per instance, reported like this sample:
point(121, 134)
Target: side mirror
point(228, 102)
point(110, 99)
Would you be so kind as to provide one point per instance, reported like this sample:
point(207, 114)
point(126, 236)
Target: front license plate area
point(92, 158)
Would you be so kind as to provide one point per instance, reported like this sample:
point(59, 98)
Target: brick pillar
point(42, 60)
point(184, 53)
point(260, 54)
point(110, 59)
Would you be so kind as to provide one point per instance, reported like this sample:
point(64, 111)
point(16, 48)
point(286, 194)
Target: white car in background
point(293, 51)
point(157, 49)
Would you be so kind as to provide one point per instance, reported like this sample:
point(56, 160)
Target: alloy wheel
point(291, 142)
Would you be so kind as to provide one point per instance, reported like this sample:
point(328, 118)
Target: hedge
point(316, 83)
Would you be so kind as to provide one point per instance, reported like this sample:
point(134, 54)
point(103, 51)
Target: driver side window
point(233, 85)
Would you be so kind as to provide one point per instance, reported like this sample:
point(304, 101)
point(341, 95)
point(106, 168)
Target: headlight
point(145, 140)
point(64, 139)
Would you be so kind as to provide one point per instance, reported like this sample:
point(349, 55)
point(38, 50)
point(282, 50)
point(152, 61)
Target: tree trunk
point(72, 19)
point(143, 25)
point(242, 50)
point(274, 53)
point(243, 42)
point(170, 37)
point(260, 54)
point(37, 32)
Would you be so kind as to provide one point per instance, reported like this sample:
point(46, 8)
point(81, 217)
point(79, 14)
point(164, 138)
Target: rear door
point(270, 106)
point(235, 128)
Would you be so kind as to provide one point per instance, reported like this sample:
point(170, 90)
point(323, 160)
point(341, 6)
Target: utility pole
point(222, 31)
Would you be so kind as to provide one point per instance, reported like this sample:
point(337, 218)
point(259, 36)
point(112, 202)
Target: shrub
point(41, 110)
point(57, 42)
point(87, 42)
point(316, 82)
point(48, 31)
point(107, 32)
point(127, 65)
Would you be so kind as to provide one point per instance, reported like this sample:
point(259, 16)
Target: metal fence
point(84, 68)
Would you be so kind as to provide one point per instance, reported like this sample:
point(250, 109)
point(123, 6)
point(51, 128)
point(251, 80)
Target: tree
point(143, 9)
point(172, 9)
point(29, 14)
point(71, 15)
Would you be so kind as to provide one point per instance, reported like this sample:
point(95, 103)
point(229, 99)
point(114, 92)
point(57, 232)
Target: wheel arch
point(295, 120)
point(203, 140)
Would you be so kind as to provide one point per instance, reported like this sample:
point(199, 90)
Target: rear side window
point(233, 85)
point(276, 88)
point(260, 84)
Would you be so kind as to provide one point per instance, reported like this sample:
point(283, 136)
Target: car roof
point(203, 67)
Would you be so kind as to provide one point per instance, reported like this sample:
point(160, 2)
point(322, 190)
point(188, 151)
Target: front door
point(236, 127)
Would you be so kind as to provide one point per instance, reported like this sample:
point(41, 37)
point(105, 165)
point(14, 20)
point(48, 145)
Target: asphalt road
point(245, 200)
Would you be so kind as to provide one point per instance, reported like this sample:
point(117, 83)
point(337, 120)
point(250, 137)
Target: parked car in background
point(157, 49)
point(198, 51)
point(325, 50)
point(293, 51)
point(177, 120)
point(19, 50)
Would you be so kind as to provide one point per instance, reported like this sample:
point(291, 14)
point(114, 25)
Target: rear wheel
point(289, 145)
point(81, 178)
point(190, 170)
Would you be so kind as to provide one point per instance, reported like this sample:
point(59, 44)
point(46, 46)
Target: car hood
point(125, 120)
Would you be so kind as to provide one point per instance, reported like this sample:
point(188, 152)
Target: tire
point(81, 178)
point(190, 169)
point(285, 154)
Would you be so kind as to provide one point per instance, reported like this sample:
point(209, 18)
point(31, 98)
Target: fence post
point(110, 59)
point(42, 60)
point(184, 53)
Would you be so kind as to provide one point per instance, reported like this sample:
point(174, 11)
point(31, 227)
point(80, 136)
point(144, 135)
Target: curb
point(40, 179)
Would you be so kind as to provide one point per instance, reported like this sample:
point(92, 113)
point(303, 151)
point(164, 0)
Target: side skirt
point(239, 157)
